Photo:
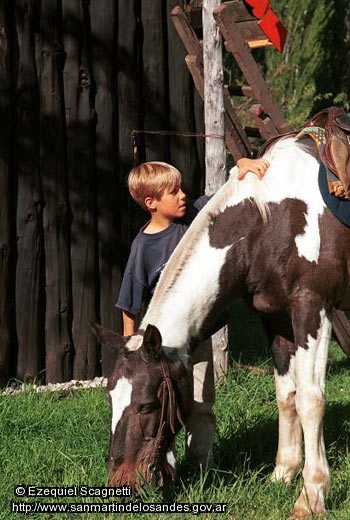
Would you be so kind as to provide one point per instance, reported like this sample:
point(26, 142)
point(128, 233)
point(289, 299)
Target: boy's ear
point(150, 203)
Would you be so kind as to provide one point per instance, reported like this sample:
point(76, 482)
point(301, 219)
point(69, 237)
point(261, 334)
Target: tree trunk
point(215, 151)
point(30, 269)
point(6, 170)
point(56, 212)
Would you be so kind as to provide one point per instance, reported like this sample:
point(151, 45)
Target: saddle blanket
point(339, 207)
point(327, 181)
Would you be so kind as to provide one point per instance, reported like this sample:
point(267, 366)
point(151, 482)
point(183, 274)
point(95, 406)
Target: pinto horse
point(274, 243)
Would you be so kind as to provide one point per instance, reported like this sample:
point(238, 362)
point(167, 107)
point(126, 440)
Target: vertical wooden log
point(80, 119)
point(6, 169)
point(215, 151)
point(29, 273)
point(199, 144)
point(54, 183)
point(110, 206)
point(154, 78)
point(129, 109)
point(185, 106)
point(129, 112)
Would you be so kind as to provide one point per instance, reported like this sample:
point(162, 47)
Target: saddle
point(333, 147)
point(330, 129)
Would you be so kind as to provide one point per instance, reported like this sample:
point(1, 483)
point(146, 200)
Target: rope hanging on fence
point(134, 133)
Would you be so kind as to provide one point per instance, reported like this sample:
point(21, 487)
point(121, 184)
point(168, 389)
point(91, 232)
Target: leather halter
point(170, 411)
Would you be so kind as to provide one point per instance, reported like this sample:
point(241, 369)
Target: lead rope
point(169, 402)
point(172, 406)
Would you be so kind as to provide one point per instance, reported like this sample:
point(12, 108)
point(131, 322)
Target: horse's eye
point(147, 407)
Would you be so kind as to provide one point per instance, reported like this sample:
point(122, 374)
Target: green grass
point(62, 440)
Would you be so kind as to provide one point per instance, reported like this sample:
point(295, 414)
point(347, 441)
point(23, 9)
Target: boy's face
point(172, 204)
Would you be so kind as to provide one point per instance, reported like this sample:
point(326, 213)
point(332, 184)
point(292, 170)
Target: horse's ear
point(152, 343)
point(108, 338)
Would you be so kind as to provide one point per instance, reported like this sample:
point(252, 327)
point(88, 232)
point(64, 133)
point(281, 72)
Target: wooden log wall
point(76, 77)
point(7, 115)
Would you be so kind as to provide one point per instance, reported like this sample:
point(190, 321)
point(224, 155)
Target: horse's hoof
point(280, 479)
point(281, 475)
point(300, 513)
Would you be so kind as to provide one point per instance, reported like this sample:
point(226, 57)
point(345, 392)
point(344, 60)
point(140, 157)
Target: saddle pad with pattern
point(318, 134)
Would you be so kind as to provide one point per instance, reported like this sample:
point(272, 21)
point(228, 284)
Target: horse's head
point(150, 395)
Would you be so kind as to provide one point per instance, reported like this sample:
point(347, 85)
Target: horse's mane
point(286, 158)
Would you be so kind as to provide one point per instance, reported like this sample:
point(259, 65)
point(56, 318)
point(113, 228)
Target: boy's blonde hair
point(151, 179)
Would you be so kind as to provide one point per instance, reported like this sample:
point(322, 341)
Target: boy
point(156, 187)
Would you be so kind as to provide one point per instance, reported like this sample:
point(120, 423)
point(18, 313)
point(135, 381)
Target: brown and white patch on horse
point(231, 223)
point(120, 399)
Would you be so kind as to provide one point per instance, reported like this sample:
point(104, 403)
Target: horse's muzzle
point(145, 474)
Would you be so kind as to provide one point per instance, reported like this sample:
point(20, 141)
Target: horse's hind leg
point(200, 425)
point(289, 454)
point(312, 329)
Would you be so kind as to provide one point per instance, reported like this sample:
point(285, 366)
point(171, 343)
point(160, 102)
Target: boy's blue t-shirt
point(148, 256)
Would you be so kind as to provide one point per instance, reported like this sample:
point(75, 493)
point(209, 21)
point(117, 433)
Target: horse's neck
point(189, 287)
point(179, 309)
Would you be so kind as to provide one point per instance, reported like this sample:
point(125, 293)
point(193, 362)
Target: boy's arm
point(129, 323)
point(245, 165)
point(131, 292)
point(257, 166)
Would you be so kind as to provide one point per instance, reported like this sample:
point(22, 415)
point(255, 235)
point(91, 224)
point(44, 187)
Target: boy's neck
point(157, 223)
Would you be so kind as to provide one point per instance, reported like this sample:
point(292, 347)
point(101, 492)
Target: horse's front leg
point(289, 454)
point(312, 330)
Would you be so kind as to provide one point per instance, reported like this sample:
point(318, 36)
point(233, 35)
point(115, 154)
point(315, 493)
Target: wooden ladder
point(241, 35)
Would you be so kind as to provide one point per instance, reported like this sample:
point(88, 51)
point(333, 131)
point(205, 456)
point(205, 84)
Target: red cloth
point(268, 22)
point(258, 7)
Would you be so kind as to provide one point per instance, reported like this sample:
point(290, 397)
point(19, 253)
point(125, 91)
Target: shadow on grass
point(338, 367)
point(247, 337)
point(254, 450)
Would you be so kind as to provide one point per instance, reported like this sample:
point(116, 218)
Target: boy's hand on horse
point(257, 166)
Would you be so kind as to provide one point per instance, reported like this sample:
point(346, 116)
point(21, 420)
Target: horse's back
point(283, 235)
